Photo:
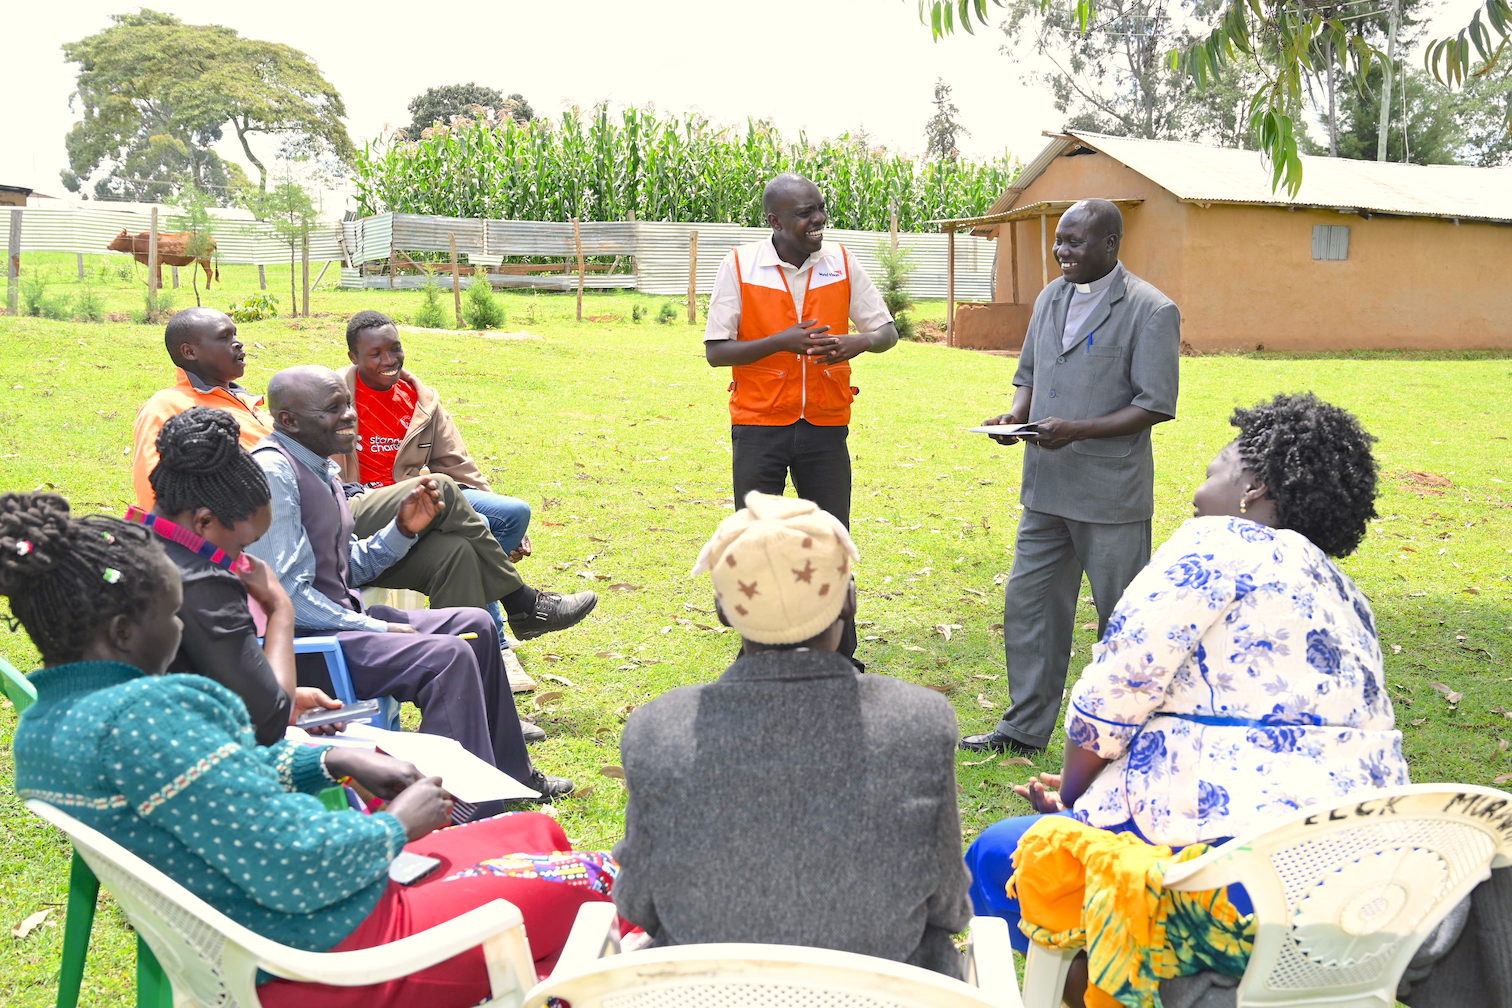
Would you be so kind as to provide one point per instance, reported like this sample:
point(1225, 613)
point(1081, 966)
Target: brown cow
point(171, 250)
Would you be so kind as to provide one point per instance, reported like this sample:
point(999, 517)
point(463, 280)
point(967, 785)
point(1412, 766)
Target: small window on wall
point(1331, 241)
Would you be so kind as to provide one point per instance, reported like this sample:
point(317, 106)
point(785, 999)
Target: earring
point(1243, 507)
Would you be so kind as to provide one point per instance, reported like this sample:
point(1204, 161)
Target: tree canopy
point(1289, 44)
point(439, 104)
point(943, 127)
point(157, 93)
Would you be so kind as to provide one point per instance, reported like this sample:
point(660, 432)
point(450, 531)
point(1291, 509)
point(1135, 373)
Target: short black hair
point(1316, 464)
point(67, 577)
point(201, 463)
point(366, 319)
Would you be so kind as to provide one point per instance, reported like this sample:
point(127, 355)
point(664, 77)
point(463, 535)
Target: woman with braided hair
point(166, 766)
point(206, 485)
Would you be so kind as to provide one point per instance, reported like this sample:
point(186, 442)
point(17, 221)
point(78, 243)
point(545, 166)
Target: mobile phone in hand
point(359, 711)
point(407, 868)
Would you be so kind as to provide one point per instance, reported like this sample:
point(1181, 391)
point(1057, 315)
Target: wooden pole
point(893, 231)
point(1044, 251)
point(154, 268)
point(950, 286)
point(174, 271)
point(1013, 262)
point(304, 274)
point(322, 274)
point(692, 277)
point(79, 260)
point(577, 241)
point(393, 264)
point(262, 276)
point(456, 281)
point(13, 263)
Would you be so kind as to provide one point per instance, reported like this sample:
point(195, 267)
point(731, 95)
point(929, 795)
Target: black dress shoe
point(549, 786)
point(532, 733)
point(552, 611)
point(996, 741)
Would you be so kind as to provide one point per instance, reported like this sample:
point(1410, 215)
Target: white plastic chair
point(212, 962)
point(1343, 897)
point(766, 976)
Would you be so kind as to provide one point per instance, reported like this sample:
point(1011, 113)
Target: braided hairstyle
point(201, 463)
point(1315, 461)
point(67, 577)
point(365, 319)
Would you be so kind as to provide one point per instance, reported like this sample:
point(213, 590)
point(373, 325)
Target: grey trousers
point(457, 561)
point(1039, 608)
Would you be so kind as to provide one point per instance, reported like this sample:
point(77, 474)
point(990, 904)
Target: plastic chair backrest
point(329, 648)
point(761, 976)
point(1343, 897)
point(17, 688)
point(213, 961)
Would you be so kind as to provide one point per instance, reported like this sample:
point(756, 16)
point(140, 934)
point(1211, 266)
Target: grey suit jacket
point(793, 801)
point(1127, 355)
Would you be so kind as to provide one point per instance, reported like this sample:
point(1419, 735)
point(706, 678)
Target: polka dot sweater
point(167, 767)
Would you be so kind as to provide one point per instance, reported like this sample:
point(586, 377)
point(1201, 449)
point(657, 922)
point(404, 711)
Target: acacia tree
point(1289, 42)
point(150, 75)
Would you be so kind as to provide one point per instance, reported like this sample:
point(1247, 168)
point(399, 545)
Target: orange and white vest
point(783, 388)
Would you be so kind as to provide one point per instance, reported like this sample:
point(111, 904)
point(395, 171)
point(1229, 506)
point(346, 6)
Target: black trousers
point(817, 459)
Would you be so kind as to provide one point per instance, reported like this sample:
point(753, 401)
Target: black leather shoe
point(550, 787)
point(996, 741)
point(532, 733)
point(553, 611)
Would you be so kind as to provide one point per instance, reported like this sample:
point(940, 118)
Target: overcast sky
point(825, 67)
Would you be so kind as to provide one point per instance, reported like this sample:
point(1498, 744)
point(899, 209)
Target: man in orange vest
point(779, 319)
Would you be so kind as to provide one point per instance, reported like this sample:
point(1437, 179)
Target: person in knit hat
point(793, 800)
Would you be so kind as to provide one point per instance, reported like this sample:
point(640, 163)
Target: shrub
point(638, 313)
point(431, 315)
point(897, 266)
point(482, 310)
point(256, 308)
point(155, 309)
point(667, 315)
point(34, 299)
point(89, 306)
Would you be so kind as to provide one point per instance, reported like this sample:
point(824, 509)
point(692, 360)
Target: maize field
point(604, 165)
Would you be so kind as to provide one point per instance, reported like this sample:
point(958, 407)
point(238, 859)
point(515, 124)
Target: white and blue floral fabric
point(1239, 680)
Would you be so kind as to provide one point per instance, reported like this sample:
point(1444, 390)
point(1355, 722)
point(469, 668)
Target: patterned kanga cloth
point(1079, 885)
point(594, 870)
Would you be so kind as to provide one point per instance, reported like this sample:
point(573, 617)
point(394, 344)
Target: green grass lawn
point(617, 434)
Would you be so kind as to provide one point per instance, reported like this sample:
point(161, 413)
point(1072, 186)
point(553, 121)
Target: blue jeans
point(508, 517)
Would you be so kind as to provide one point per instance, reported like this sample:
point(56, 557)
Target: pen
point(467, 636)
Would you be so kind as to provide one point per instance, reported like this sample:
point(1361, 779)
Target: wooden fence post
point(950, 286)
point(79, 261)
point(304, 274)
point(262, 276)
point(456, 281)
point(577, 241)
point(894, 229)
point(13, 263)
point(393, 264)
point(692, 277)
point(1044, 251)
point(154, 268)
point(174, 271)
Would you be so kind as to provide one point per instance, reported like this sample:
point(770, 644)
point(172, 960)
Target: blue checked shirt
point(286, 548)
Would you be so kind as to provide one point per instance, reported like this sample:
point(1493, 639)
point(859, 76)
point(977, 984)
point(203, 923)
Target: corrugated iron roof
point(1197, 173)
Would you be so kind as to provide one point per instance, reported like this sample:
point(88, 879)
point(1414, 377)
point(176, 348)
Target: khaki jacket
point(431, 445)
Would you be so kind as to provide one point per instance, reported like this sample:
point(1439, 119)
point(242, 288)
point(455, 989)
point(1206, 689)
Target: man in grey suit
point(1099, 368)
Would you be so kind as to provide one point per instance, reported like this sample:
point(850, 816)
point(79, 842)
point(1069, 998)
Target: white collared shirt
point(867, 310)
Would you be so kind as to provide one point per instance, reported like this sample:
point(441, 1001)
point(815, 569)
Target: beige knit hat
point(781, 568)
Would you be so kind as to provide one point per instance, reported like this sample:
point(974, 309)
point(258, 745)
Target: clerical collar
point(1101, 284)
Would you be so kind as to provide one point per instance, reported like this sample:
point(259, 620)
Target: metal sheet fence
point(659, 251)
point(89, 231)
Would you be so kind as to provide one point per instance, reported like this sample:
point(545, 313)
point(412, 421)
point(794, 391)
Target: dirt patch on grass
point(1429, 484)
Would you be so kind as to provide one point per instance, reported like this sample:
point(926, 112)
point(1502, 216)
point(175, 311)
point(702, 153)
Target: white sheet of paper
point(1013, 429)
point(461, 773)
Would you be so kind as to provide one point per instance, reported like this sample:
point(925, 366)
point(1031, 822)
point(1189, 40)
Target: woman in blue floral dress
point(1240, 677)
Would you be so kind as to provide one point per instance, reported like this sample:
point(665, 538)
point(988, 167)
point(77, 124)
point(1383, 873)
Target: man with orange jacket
point(779, 319)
